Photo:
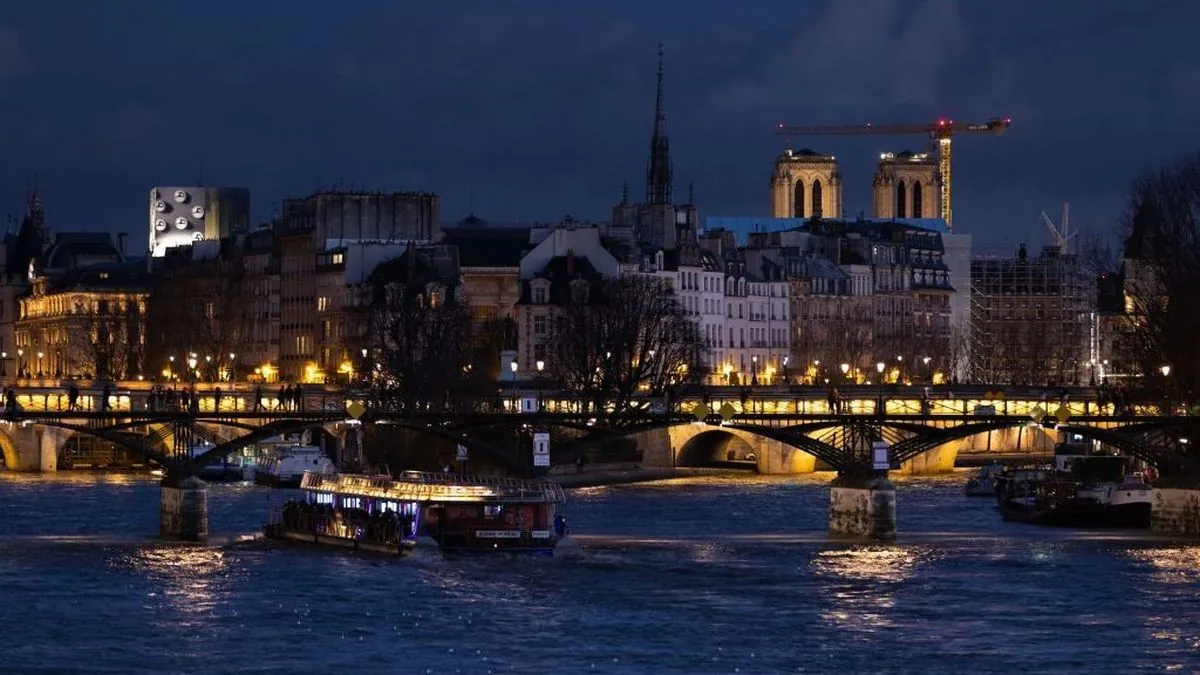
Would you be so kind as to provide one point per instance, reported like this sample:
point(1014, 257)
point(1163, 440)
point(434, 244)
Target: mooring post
point(183, 508)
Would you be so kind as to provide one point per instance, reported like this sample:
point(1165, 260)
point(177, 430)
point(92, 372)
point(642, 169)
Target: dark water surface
point(699, 575)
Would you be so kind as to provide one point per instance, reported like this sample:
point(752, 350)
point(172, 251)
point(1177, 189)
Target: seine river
point(696, 575)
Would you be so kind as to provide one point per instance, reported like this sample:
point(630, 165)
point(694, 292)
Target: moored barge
point(450, 512)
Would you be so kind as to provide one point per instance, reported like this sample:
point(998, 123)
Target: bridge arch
point(716, 447)
point(9, 451)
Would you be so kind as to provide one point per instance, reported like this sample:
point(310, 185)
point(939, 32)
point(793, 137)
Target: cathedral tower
point(905, 186)
point(806, 184)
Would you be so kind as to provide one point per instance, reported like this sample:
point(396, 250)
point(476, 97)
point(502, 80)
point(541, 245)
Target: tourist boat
point(288, 465)
point(983, 484)
point(450, 512)
point(1041, 496)
point(219, 469)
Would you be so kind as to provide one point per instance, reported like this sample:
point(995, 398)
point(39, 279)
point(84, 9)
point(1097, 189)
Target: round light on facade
point(181, 196)
point(181, 223)
point(161, 206)
point(160, 225)
point(197, 211)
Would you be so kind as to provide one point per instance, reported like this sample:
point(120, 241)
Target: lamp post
point(786, 377)
point(928, 374)
point(4, 364)
point(40, 356)
point(192, 367)
point(20, 362)
point(1166, 372)
point(541, 366)
point(171, 367)
point(845, 368)
point(899, 369)
point(512, 366)
point(232, 367)
point(754, 371)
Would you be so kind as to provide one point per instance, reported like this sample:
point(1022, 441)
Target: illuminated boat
point(450, 512)
point(288, 465)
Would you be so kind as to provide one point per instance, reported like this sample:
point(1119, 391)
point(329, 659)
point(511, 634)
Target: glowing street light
point(880, 366)
point(1165, 370)
point(541, 365)
point(845, 368)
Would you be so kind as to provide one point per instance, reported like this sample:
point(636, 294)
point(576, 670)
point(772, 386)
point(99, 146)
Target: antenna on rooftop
point(1062, 233)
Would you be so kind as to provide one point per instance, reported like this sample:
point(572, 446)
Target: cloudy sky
point(534, 109)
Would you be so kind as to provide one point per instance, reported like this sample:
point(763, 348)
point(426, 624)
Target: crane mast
point(939, 134)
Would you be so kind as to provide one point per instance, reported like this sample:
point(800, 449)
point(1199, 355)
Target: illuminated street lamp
point(1165, 370)
point(845, 370)
point(20, 362)
point(880, 366)
point(512, 366)
point(42, 354)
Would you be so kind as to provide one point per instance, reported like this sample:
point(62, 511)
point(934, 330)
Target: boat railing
point(430, 486)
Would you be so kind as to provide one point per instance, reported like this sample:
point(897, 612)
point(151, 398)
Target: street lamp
point(845, 370)
point(541, 366)
point(928, 374)
point(1165, 370)
point(754, 371)
point(512, 366)
point(192, 366)
point(880, 366)
point(41, 354)
point(20, 362)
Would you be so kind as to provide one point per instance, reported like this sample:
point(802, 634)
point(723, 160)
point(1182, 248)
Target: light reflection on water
point(698, 575)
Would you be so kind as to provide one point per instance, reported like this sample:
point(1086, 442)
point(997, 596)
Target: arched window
point(816, 199)
point(900, 200)
point(916, 192)
point(798, 200)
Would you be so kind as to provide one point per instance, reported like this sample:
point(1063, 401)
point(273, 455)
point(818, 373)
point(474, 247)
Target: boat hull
point(1130, 514)
point(272, 480)
point(330, 541)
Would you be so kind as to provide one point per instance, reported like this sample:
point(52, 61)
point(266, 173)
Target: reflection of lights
point(857, 582)
point(186, 573)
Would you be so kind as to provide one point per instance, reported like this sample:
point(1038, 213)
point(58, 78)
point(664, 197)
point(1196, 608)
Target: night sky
point(545, 110)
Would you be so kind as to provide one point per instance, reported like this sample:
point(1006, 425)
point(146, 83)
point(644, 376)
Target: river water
point(697, 575)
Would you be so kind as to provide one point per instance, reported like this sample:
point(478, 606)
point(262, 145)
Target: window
point(539, 295)
point(901, 200)
point(539, 325)
point(917, 211)
point(817, 210)
point(322, 303)
point(338, 258)
point(798, 200)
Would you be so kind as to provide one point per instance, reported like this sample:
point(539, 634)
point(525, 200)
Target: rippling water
point(700, 575)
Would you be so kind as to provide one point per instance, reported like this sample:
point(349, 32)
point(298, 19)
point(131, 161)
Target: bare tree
point(1161, 274)
point(110, 345)
point(422, 334)
point(619, 338)
point(201, 311)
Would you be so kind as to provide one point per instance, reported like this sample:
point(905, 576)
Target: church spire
point(658, 169)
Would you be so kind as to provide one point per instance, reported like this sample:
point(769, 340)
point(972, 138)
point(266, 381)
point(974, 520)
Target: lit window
point(338, 258)
point(322, 304)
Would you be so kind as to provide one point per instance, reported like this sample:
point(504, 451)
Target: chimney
point(570, 262)
point(121, 239)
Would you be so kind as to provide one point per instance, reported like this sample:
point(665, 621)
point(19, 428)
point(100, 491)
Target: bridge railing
point(122, 399)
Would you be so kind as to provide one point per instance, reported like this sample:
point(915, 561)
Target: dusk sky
point(535, 109)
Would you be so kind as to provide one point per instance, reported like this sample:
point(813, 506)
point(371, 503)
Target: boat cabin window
point(492, 510)
point(351, 502)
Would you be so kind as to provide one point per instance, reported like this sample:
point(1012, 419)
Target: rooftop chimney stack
point(121, 239)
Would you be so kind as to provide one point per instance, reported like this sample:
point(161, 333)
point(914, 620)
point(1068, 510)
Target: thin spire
point(658, 169)
point(625, 192)
point(691, 193)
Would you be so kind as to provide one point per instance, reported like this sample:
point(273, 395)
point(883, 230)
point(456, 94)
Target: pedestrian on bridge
point(72, 397)
point(217, 399)
point(258, 398)
point(105, 395)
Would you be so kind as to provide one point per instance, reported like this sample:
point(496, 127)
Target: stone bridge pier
point(183, 508)
point(32, 447)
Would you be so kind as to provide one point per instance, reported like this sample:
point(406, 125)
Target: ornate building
point(905, 186)
point(806, 184)
point(84, 317)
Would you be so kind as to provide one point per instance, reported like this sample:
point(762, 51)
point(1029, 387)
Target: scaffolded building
point(1032, 319)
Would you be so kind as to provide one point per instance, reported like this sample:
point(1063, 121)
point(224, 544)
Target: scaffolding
point(1031, 320)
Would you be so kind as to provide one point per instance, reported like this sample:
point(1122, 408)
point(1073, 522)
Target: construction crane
point(939, 137)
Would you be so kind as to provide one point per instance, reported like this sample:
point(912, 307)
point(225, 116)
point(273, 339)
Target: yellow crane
point(939, 134)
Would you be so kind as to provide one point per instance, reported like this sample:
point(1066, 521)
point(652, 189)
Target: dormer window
point(579, 290)
point(541, 291)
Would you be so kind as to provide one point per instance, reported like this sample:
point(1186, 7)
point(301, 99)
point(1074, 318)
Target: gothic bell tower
point(905, 186)
point(806, 184)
